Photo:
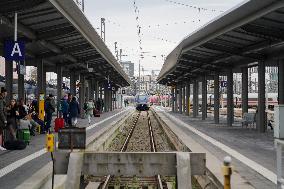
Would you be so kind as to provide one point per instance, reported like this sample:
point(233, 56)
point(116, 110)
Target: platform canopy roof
point(248, 33)
point(58, 32)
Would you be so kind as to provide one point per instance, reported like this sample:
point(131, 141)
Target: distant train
point(142, 102)
point(272, 99)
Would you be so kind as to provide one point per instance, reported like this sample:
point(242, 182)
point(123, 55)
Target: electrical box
point(279, 121)
point(49, 142)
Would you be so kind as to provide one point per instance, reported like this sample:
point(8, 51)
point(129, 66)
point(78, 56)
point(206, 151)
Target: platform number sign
point(14, 50)
point(109, 86)
point(223, 84)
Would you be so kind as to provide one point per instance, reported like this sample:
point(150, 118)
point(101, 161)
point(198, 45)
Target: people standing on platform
point(99, 105)
point(70, 96)
point(49, 108)
point(23, 109)
point(74, 111)
point(3, 116)
point(89, 111)
point(12, 115)
point(64, 108)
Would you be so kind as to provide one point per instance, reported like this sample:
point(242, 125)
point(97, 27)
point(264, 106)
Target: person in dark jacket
point(3, 116)
point(12, 115)
point(23, 111)
point(99, 105)
point(64, 108)
point(74, 111)
point(49, 109)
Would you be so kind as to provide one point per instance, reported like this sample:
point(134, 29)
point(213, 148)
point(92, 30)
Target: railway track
point(140, 122)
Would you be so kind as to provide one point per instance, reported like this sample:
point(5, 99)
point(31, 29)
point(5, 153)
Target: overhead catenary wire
point(194, 6)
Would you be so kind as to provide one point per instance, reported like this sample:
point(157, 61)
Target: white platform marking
point(15, 165)
point(250, 163)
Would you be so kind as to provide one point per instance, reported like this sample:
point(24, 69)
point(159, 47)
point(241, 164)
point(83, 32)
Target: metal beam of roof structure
point(58, 32)
point(248, 33)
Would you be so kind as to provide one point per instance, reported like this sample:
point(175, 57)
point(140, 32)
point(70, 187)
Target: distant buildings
point(128, 67)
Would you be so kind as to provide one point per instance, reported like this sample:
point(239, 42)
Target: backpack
point(15, 145)
point(85, 106)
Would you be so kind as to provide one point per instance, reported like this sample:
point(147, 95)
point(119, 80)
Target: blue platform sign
point(223, 83)
point(14, 50)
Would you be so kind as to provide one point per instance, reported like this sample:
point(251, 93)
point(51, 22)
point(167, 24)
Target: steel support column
point(281, 82)
point(44, 79)
point(204, 97)
point(21, 86)
point(173, 99)
point(176, 99)
point(244, 90)
point(230, 97)
point(59, 86)
point(73, 79)
point(195, 98)
point(82, 89)
point(180, 98)
point(91, 88)
point(110, 100)
point(261, 98)
point(183, 99)
point(96, 90)
point(106, 99)
point(187, 101)
point(40, 77)
point(216, 98)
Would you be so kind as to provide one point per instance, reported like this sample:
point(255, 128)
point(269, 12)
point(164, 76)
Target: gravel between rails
point(118, 141)
point(140, 140)
point(162, 144)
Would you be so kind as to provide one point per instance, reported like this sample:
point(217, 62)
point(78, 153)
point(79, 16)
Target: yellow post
point(41, 107)
point(227, 172)
point(49, 144)
point(189, 105)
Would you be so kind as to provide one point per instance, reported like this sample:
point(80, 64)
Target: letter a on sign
point(15, 50)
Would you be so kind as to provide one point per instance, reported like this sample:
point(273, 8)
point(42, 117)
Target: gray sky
point(160, 20)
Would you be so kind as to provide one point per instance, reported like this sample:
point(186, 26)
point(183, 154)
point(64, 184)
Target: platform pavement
point(20, 174)
point(258, 147)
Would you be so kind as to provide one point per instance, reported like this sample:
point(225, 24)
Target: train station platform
point(253, 153)
point(17, 166)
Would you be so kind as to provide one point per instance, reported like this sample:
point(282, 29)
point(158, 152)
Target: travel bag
point(59, 124)
point(15, 145)
point(24, 135)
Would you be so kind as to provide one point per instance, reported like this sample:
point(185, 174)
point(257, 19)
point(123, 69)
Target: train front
point(142, 102)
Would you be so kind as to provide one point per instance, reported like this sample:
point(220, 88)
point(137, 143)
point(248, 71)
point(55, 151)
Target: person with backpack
point(74, 111)
point(49, 108)
point(89, 109)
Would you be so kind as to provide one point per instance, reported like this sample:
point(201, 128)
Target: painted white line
point(250, 163)
point(20, 162)
point(100, 122)
point(15, 165)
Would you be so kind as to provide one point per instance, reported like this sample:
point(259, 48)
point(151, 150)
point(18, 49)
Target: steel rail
point(153, 147)
point(123, 148)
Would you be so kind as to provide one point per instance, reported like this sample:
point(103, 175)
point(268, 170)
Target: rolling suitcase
point(97, 113)
point(59, 124)
point(24, 135)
